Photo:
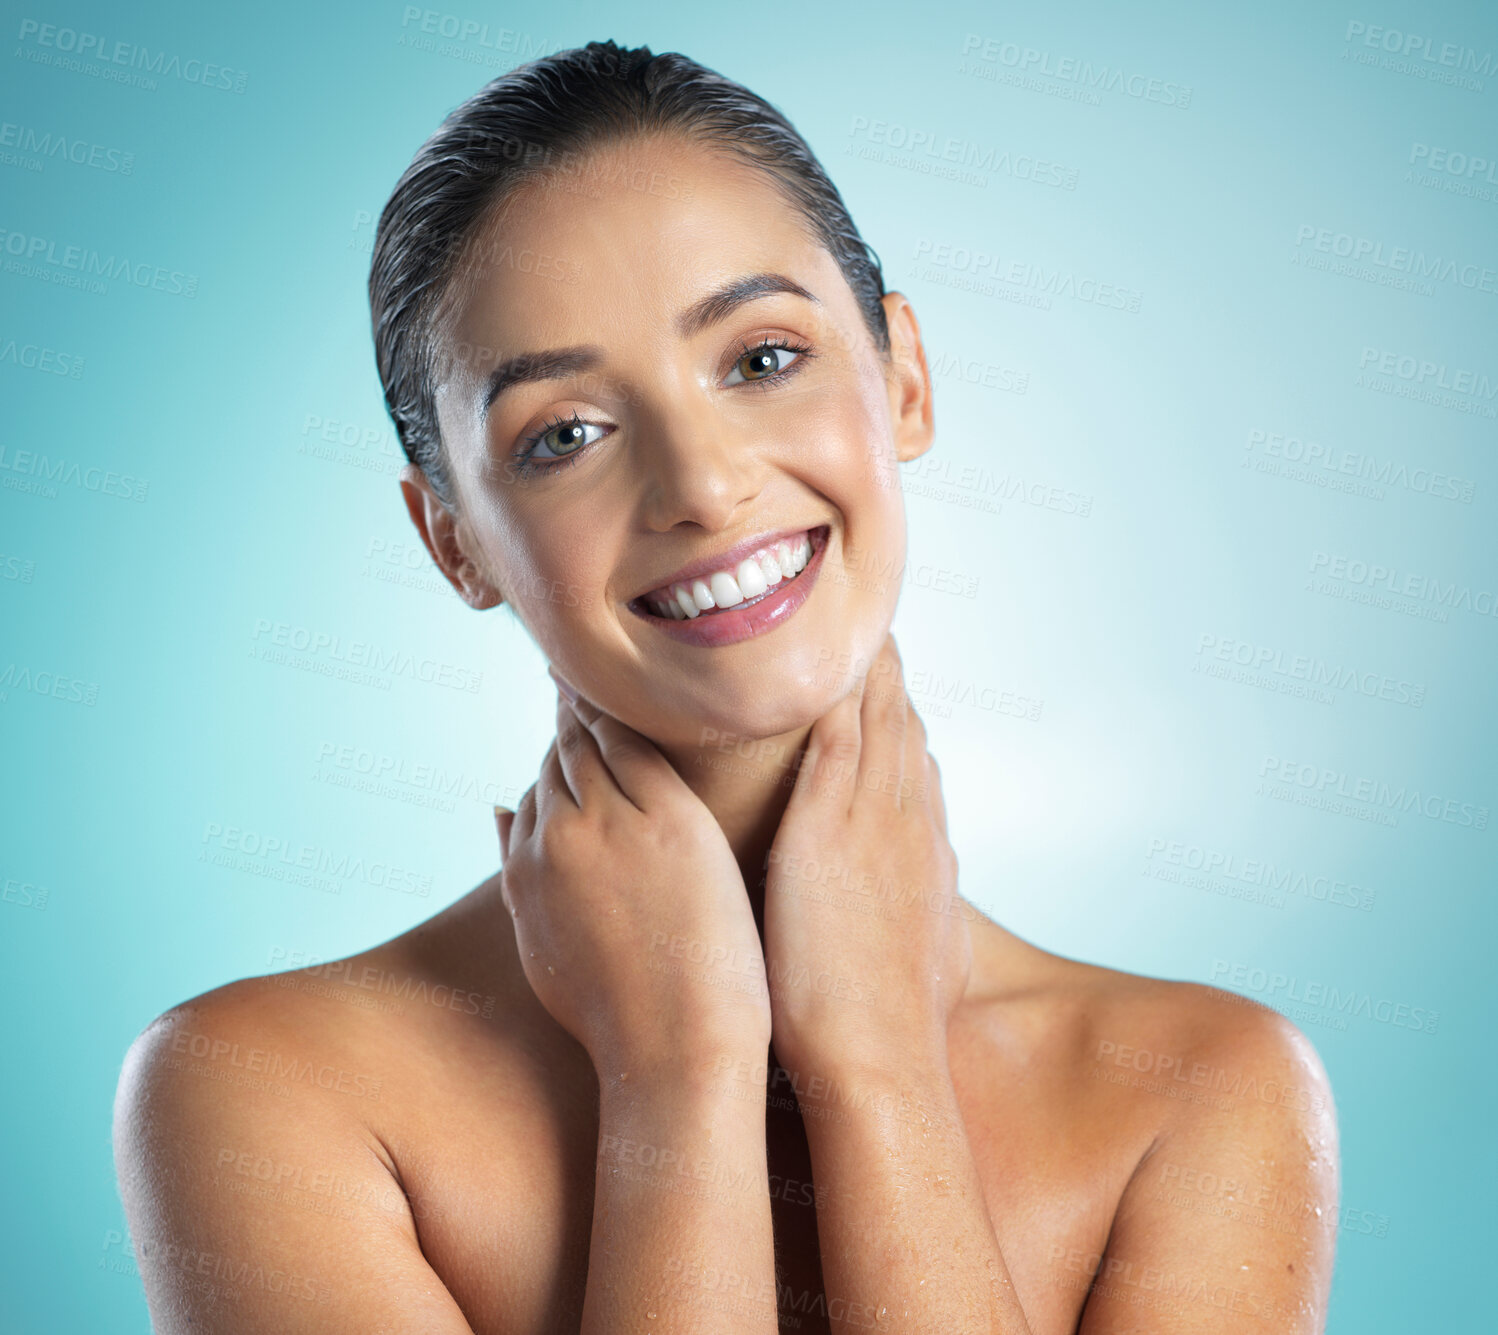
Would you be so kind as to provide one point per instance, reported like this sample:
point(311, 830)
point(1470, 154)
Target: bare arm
point(609, 862)
point(258, 1201)
point(1230, 1220)
point(682, 1239)
point(906, 1239)
point(226, 1176)
point(864, 981)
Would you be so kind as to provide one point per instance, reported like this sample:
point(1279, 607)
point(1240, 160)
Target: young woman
point(722, 1048)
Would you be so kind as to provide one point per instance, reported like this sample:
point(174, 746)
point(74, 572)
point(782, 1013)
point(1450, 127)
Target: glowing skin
point(1046, 1104)
point(684, 453)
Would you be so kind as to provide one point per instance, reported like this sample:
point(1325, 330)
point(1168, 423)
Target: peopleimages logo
point(1309, 669)
point(1328, 997)
point(80, 264)
point(28, 140)
point(1452, 55)
point(281, 642)
point(979, 270)
point(26, 470)
point(78, 51)
point(1069, 69)
point(1426, 373)
point(1396, 259)
point(1321, 781)
point(1323, 460)
point(1259, 873)
point(926, 149)
point(1375, 576)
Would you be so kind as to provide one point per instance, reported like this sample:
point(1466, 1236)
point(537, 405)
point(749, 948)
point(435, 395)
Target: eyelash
point(525, 465)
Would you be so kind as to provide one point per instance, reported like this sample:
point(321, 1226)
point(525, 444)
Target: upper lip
point(727, 560)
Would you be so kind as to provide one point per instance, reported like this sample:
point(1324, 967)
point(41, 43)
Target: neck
point(747, 786)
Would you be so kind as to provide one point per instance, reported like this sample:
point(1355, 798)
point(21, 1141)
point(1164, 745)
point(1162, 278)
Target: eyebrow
point(557, 363)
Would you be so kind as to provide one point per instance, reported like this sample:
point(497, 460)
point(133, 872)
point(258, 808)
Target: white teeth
point(752, 577)
point(725, 589)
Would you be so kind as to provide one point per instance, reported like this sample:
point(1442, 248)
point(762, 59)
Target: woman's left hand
point(867, 948)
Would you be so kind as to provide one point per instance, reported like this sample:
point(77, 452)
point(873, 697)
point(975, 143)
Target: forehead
point(617, 242)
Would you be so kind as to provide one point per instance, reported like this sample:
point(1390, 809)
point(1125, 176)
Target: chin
point(806, 679)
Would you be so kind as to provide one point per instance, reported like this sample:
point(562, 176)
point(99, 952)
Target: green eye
point(768, 362)
point(570, 436)
point(765, 362)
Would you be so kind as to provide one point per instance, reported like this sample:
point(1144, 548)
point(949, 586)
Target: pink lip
point(725, 561)
point(714, 629)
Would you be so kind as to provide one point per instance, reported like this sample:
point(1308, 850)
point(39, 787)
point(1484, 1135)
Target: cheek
point(866, 472)
point(548, 579)
point(554, 589)
point(846, 450)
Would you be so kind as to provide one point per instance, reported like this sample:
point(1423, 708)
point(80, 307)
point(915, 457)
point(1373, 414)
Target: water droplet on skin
point(550, 968)
point(650, 1316)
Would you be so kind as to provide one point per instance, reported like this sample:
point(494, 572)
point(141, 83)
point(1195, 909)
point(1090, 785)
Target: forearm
point(906, 1240)
point(682, 1239)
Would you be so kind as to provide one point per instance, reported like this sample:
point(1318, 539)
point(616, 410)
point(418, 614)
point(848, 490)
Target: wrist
point(866, 1051)
point(884, 1093)
point(700, 1071)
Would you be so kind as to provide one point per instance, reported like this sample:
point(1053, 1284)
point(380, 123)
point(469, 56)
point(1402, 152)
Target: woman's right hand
point(631, 916)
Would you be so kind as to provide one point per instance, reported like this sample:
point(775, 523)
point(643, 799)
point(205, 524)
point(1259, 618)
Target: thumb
point(504, 818)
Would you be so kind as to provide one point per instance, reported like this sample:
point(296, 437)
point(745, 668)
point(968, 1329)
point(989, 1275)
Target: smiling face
point(719, 393)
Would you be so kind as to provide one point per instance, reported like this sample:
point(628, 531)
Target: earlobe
point(911, 409)
point(442, 535)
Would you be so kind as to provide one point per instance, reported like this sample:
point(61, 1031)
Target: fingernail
point(563, 686)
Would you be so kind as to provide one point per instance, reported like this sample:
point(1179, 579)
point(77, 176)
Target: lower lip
point(714, 629)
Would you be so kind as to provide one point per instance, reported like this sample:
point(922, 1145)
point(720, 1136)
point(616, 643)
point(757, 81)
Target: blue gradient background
point(218, 403)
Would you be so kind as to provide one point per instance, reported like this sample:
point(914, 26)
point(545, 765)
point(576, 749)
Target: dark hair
point(539, 118)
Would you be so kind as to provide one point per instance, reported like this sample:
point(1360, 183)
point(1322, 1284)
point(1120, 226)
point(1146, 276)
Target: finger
point(525, 818)
point(642, 773)
point(934, 794)
point(919, 780)
point(552, 792)
point(882, 724)
point(588, 778)
point(504, 821)
point(829, 763)
point(564, 686)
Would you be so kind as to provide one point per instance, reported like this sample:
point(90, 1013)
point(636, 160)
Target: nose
point(696, 470)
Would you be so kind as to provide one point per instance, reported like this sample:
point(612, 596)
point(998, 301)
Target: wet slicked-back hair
point(539, 120)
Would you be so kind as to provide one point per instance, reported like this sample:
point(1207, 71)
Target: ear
point(911, 408)
point(447, 538)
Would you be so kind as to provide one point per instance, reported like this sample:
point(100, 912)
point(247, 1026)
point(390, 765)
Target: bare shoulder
point(257, 1143)
point(1224, 1117)
point(241, 1044)
point(1201, 1047)
point(331, 1038)
point(1187, 1045)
